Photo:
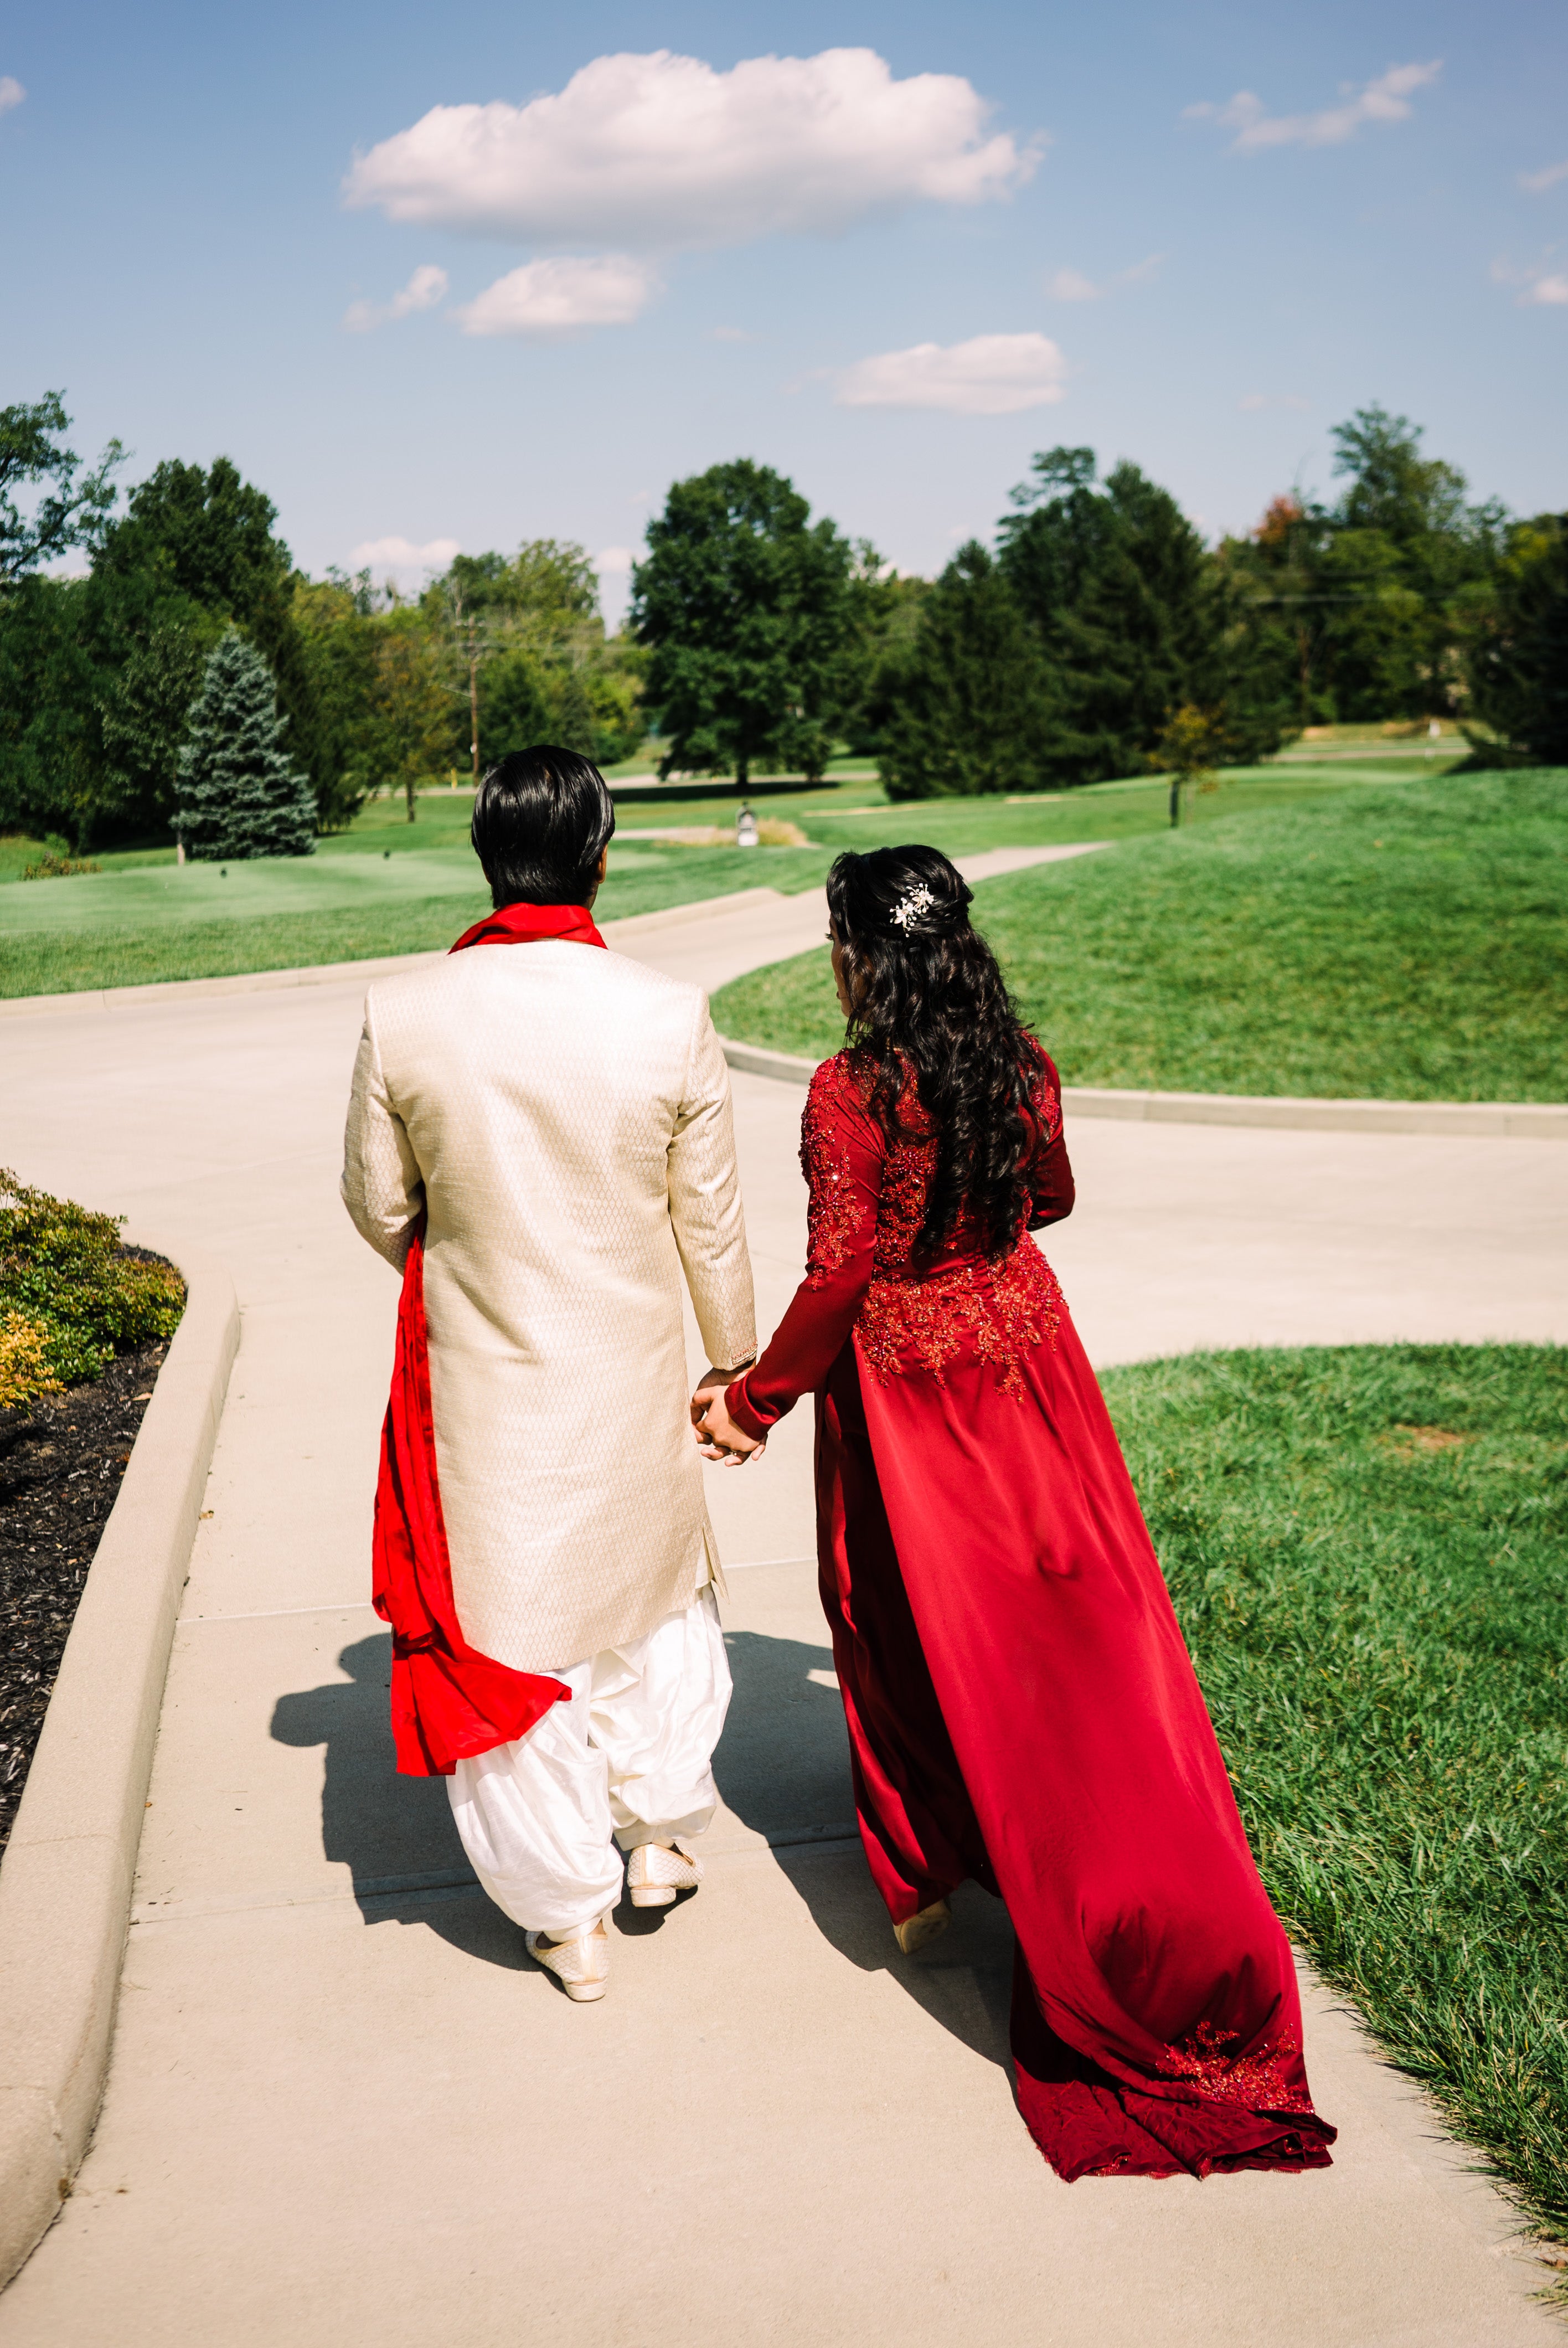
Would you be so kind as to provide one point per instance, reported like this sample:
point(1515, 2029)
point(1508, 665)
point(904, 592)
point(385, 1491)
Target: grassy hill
point(1401, 941)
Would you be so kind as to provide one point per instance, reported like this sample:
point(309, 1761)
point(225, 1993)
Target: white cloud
point(1543, 286)
point(660, 151)
point(614, 561)
point(1539, 181)
point(424, 290)
point(992, 374)
point(729, 334)
point(557, 297)
point(11, 92)
point(400, 559)
point(1252, 401)
point(1385, 99)
point(1072, 285)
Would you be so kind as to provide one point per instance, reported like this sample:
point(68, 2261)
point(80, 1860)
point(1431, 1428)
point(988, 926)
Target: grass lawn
point(1367, 1548)
point(1386, 940)
point(155, 922)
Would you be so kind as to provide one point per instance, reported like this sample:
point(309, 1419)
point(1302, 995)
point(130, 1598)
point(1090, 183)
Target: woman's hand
point(718, 1437)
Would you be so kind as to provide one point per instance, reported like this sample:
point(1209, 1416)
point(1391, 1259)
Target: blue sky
point(854, 275)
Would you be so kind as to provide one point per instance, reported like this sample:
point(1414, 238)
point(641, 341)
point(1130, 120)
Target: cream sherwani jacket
point(562, 1116)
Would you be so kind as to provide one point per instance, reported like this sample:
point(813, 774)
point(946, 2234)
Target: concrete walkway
point(344, 2109)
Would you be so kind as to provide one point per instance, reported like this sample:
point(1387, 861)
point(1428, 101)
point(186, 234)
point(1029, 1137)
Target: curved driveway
point(343, 2109)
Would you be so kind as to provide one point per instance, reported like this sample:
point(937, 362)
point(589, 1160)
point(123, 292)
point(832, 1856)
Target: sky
point(458, 279)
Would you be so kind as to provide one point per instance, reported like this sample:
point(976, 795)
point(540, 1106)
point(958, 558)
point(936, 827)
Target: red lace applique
point(1260, 2082)
point(833, 1214)
point(921, 1316)
point(1000, 1311)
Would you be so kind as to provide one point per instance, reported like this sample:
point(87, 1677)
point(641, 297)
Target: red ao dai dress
point(1020, 1705)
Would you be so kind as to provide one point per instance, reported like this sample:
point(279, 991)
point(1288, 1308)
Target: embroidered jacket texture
point(920, 1315)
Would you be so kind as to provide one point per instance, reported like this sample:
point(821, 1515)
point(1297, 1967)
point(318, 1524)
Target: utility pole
point(474, 698)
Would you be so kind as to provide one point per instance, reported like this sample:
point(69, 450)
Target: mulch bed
point(60, 1467)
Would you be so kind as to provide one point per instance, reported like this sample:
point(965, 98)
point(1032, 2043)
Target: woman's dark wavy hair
point(929, 1001)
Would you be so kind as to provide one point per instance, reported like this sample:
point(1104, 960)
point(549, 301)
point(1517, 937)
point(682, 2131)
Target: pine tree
point(238, 794)
point(1518, 660)
point(974, 712)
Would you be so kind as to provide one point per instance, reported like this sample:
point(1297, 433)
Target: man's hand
point(718, 1437)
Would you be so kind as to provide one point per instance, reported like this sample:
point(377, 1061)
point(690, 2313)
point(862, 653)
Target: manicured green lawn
point(1367, 1548)
point(1395, 942)
point(281, 913)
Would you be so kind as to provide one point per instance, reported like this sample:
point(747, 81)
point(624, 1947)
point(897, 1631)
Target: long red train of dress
point(1021, 1707)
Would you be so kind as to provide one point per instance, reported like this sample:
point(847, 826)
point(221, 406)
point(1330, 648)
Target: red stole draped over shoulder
point(448, 1701)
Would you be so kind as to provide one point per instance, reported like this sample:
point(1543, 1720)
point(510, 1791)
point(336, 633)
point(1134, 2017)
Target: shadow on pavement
point(394, 1834)
point(783, 1768)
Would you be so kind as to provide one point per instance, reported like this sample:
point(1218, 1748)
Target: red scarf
point(448, 1701)
point(519, 925)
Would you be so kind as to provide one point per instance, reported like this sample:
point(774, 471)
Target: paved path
point(342, 2108)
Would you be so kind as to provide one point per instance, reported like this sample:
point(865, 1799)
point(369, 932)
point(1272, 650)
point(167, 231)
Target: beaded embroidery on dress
point(921, 1316)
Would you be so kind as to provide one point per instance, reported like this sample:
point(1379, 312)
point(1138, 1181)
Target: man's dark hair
point(542, 820)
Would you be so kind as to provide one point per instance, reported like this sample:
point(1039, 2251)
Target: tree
point(1191, 745)
point(1518, 656)
point(513, 712)
point(1360, 609)
point(534, 621)
point(143, 708)
point(882, 616)
point(742, 601)
point(209, 534)
point(414, 705)
point(239, 796)
point(339, 622)
point(974, 712)
point(70, 514)
point(1129, 609)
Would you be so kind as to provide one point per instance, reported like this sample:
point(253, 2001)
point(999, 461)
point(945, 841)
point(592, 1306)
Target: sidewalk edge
point(65, 1880)
point(1458, 1120)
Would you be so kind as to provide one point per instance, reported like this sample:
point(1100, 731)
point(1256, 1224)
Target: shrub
point(72, 1296)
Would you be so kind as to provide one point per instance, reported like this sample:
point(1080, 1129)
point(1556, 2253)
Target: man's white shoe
point(654, 1875)
point(581, 1966)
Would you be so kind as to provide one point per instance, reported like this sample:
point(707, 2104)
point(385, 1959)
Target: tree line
point(100, 673)
point(1094, 632)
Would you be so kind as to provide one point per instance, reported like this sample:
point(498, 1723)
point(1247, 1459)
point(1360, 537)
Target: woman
point(1021, 1706)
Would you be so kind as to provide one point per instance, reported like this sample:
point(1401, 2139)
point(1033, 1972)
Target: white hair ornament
point(910, 906)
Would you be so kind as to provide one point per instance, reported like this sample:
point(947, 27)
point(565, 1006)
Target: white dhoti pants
point(625, 1762)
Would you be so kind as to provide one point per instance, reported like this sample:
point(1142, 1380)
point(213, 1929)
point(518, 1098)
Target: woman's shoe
point(654, 1875)
point(581, 1966)
point(918, 1930)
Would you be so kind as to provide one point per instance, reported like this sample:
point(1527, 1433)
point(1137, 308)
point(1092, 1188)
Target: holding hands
point(718, 1437)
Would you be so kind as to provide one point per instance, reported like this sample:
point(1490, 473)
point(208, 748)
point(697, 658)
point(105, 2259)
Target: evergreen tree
point(1128, 608)
point(974, 712)
point(238, 794)
point(1517, 664)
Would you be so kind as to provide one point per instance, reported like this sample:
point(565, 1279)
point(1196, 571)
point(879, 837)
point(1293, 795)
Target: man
point(539, 1135)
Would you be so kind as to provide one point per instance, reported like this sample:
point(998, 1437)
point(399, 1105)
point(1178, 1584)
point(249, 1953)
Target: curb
point(329, 973)
point(1458, 1120)
point(66, 1882)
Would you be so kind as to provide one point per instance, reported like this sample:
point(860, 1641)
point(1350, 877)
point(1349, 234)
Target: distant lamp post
point(746, 832)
